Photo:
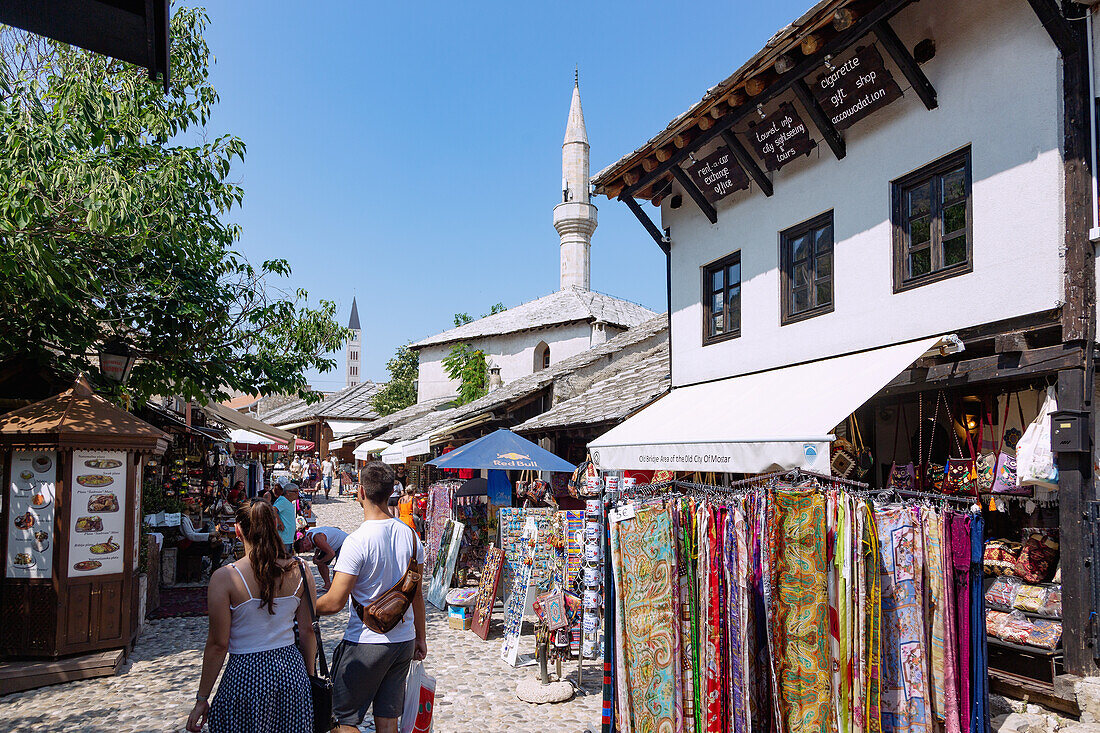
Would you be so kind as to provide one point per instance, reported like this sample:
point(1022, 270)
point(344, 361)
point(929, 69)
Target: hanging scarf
point(873, 620)
point(933, 552)
point(905, 689)
point(950, 632)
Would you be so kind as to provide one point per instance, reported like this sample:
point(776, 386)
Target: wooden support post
point(650, 227)
point(1059, 29)
point(747, 163)
point(696, 195)
point(908, 65)
point(1075, 491)
point(821, 121)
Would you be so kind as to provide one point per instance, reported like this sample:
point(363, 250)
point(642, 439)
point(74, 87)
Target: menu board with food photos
point(97, 515)
point(30, 514)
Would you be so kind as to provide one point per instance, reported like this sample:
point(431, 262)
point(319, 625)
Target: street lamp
point(116, 359)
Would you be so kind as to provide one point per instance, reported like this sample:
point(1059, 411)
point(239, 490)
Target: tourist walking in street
point(253, 604)
point(369, 667)
point(325, 544)
point(328, 469)
point(406, 508)
point(288, 522)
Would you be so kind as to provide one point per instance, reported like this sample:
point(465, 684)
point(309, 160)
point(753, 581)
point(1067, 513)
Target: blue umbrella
point(503, 450)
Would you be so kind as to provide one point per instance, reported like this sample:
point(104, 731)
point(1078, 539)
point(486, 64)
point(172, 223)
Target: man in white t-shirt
point(369, 667)
point(328, 468)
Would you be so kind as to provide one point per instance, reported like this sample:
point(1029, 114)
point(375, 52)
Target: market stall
point(72, 467)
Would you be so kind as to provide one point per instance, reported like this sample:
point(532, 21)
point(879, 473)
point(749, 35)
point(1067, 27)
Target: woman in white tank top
point(252, 606)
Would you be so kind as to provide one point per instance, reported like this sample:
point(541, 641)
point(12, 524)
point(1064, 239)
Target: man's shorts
point(366, 674)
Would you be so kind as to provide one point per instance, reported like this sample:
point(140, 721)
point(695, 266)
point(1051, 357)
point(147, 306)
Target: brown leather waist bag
point(387, 610)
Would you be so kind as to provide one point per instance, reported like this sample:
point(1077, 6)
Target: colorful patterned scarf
point(933, 554)
point(905, 689)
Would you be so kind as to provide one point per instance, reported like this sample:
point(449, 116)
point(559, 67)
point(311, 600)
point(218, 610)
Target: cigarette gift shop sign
point(854, 88)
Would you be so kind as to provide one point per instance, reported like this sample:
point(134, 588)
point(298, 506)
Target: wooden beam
point(747, 163)
point(1047, 360)
point(657, 234)
point(908, 65)
point(820, 119)
point(1008, 343)
point(1057, 27)
point(696, 195)
point(835, 45)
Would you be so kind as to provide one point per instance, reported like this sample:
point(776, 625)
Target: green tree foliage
point(468, 365)
point(114, 224)
point(400, 391)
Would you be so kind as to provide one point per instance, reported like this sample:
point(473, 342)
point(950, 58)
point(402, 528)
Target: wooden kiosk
point(71, 469)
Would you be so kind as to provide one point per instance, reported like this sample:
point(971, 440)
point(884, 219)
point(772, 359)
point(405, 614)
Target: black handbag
point(320, 685)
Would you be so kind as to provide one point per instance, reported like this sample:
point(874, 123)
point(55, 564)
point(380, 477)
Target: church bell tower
point(575, 216)
point(352, 375)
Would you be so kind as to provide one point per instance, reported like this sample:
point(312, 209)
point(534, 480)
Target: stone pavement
point(154, 693)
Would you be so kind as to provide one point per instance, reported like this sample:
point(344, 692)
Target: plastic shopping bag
point(1034, 455)
point(416, 717)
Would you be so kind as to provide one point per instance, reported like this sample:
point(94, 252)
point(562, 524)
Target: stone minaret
point(575, 216)
point(353, 370)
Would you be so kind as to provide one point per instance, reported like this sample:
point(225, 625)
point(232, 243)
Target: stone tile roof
point(529, 384)
point(350, 403)
point(564, 306)
point(383, 424)
point(615, 393)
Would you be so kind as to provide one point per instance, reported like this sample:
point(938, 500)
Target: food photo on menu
point(31, 515)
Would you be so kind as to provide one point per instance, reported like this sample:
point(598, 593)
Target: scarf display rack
point(793, 602)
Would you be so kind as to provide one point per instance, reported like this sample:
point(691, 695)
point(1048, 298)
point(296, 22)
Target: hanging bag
point(960, 474)
point(320, 685)
point(1004, 476)
point(985, 463)
point(902, 475)
point(932, 474)
point(1035, 464)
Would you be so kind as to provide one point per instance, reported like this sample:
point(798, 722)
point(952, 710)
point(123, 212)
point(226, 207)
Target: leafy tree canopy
point(400, 391)
point(114, 224)
point(468, 365)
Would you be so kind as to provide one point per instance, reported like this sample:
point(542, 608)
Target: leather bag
point(320, 684)
point(902, 475)
point(387, 610)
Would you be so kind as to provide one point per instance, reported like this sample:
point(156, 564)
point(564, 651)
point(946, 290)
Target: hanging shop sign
point(718, 175)
point(97, 513)
point(779, 137)
point(31, 514)
point(855, 87)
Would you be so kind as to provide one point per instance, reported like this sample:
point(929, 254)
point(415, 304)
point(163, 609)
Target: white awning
point(774, 420)
point(335, 444)
point(343, 427)
point(245, 422)
point(364, 450)
point(401, 451)
point(247, 436)
point(395, 453)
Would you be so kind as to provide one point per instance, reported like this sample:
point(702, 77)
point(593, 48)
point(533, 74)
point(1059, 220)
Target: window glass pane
point(954, 218)
point(920, 199)
point(800, 300)
point(823, 238)
point(800, 248)
point(733, 312)
point(824, 293)
point(920, 231)
point(716, 325)
point(954, 251)
point(824, 265)
point(920, 262)
point(801, 274)
point(734, 272)
point(717, 304)
point(717, 283)
point(954, 185)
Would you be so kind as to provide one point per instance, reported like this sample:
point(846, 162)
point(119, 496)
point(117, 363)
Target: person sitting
point(253, 605)
point(199, 544)
point(325, 544)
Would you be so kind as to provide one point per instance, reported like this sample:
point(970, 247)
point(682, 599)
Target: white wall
point(997, 77)
point(513, 353)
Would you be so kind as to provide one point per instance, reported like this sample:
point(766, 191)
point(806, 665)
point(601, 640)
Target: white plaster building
point(531, 336)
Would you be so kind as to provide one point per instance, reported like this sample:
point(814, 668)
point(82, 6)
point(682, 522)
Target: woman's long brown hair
point(259, 524)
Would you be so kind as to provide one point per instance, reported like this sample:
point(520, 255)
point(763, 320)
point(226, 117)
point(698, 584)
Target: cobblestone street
point(475, 689)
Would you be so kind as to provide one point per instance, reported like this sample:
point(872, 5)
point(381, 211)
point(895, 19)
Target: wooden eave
point(79, 418)
point(730, 98)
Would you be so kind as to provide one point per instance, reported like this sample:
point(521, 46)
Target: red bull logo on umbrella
point(514, 460)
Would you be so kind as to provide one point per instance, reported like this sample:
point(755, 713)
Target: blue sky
point(409, 154)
